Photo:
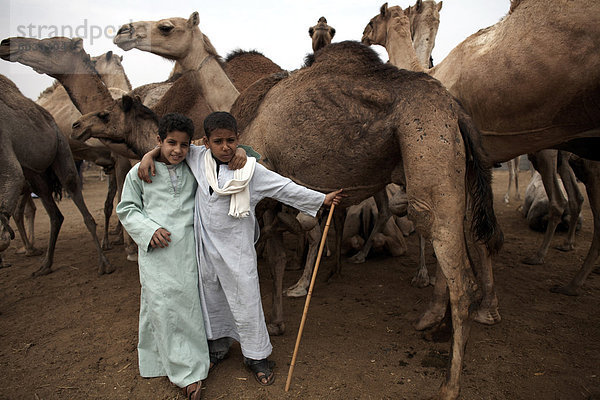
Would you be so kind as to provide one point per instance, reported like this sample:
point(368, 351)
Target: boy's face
point(174, 148)
point(222, 143)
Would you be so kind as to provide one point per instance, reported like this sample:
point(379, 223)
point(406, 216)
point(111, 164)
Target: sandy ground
point(72, 334)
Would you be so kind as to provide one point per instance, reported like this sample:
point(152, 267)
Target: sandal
point(193, 391)
point(262, 370)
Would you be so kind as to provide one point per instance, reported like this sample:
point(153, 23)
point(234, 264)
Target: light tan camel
point(181, 40)
point(321, 34)
point(377, 107)
point(528, 101)
point(34, 152)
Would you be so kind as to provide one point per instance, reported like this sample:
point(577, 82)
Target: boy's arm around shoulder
point(130, 210)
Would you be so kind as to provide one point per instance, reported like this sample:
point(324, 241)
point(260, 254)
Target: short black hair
point(219, 120)
point(175, 122)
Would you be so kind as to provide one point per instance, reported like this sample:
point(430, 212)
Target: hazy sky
point(278, 29)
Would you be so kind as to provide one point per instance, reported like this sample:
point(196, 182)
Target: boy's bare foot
point(193, 391)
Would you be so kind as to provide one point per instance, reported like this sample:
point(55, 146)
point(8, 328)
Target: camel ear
point(194, 19)
point(127, 102)
point(439, 6)
point(332, 32)
point(419, 5)
point(311, 31)
point(383, 10)
point(77, 44)
point(109, 55)
point(120, 58)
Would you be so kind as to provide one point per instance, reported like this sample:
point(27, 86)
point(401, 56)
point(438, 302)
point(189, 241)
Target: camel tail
point(54, 184)
point(479, 184)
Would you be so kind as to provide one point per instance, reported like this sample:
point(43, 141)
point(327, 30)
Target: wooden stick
point(308, 296)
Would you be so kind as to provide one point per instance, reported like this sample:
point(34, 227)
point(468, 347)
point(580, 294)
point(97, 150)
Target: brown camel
point(384, 110)
point(65, 60)
point(537, 102)
point(321, 34)
point(37, 154)
point(246, 67)
point(56, 100)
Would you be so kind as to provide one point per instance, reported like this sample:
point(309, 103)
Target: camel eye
point(104, 116)
point(165, 28)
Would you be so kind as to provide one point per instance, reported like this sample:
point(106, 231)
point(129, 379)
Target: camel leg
point(545, 163)
point(575, 199)
point(275, 256)
point(40, 186)
point(65, 170)
point(421, 278)
point(383, 214)
point(512, 176)
point(300, 288)
point(589, 173)
point(108, 209)
point(487, 312)
point(25, 212)
point(338, 222)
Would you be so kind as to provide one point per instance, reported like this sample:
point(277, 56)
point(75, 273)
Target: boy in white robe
point(160, 218)
point(226, 230)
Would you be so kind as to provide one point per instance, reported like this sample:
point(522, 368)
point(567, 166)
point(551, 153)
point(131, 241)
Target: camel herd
point(529, 84)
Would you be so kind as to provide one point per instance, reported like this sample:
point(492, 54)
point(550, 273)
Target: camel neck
point(219, 91)
point(86, 91)
point(401, 51)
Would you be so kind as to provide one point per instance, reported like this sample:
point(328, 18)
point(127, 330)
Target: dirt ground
point(72, 334)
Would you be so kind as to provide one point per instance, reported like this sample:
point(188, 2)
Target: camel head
point(424, 19)
point(52, 56)
point(378, 29)
point(111, 70)
point(171, 38)
point(321, 34)
point(127, 121)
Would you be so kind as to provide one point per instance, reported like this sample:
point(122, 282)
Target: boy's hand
point(333, 198)
point(146, 167)
point(161, 238)
point(239, 159)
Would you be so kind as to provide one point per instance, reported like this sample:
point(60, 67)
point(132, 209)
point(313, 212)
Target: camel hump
point(246, 105)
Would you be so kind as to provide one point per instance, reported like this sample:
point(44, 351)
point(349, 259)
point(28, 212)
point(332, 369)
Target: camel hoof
point(4, 265)
point(565, 247)
point(106, 268)
point(535, 260)
point(429, 319)
point(41, 272)
point(21, 250)
point(487, 316)
point(566, 290)
point(420, 281)
point(118, 242)
point(276, 329)
point(33, 252)
point(132, 257)
point(358, 258)
point(295, 291)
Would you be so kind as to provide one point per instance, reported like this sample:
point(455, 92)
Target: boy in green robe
point(160, 219)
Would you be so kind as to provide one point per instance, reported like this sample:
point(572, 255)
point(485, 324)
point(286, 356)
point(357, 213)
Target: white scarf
point(239, 205)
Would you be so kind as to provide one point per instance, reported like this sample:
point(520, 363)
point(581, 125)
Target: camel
point(180, 39)
point(56, 100)
point(377, 107)
point(246, 67)
point(529, 116)
point(65, 60)
point(321, 34)
point(37, 154)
